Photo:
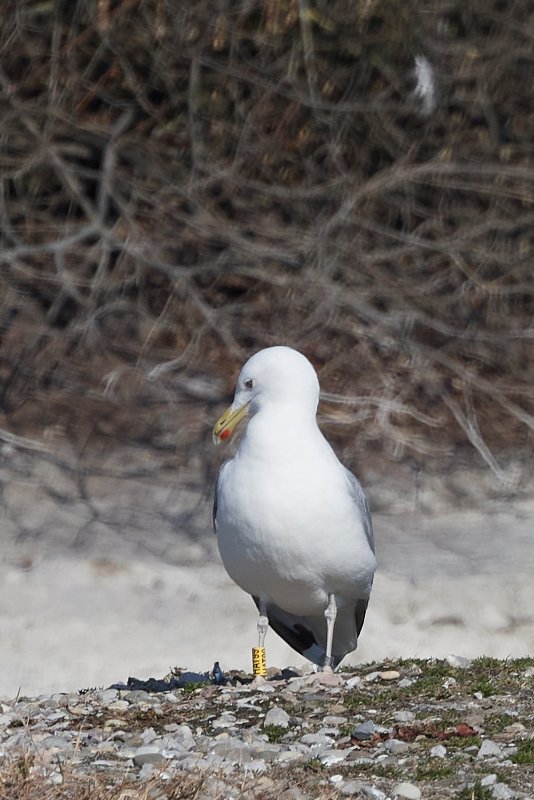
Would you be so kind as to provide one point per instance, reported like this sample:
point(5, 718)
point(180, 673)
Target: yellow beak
point(226, 425)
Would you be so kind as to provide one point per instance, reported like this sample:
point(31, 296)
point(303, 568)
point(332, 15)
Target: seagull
point(293, 525)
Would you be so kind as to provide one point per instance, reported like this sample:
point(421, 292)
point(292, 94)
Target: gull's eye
point(249, 384)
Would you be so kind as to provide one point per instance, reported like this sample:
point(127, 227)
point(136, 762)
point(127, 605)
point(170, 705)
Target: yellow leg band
point(259, 663)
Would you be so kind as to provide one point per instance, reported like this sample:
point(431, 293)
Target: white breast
point(290, 530)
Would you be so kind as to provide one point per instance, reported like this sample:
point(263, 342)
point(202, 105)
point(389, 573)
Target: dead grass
point(22, 780)
point(184, 184)
point(19, 781)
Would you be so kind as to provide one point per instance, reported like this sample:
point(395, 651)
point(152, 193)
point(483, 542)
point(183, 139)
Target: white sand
point(450, 583)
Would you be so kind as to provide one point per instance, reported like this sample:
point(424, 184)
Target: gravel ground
point(400, 729)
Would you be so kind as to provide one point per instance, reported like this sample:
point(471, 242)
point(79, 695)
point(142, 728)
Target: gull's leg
point(259, 666)
point(263, 623)
point(330, 616)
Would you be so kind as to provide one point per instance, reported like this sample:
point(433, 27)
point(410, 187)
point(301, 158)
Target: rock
point(226, 720)
point(353, 682)
point(529, 672)
point(389, 675)
point(371, 677)
point(263, 750)
point(361, 761)
point(148, 735)
point(183, 735)
point(501, 791)
point(107, 696)
point(332, 719)
point(374, 793)
point(332, 757)
point(317, 740)
point(264, 784)
point(364, 731)
point(233, 750)
point(9, 717)
point(404, 716)
point(351, 787)
point(405, 682)
point(489, 780)
point(277, 716)
point(147, 771)
point(489, 748)
point(330, 679)
point(407, 791)
point(459, 662)
point(396, 746)
point(288, 756)
point(116, 705)
point(57, 742)
point(149, 754)
point(136, 696)
point(439, 751)
point(329, 732)
point(256, 766)
point(217, 788)
point(511, 733)
point(82, 711)
point(293, 793)
point(476, 721)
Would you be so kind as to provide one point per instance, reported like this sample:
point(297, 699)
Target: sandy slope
point(449, 582)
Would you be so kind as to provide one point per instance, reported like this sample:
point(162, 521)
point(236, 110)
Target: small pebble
point(374, 793)
point(404, 716)
point(277, 716)
point(501, 791)
point(335, 779)
point(364, 731)
point(389, 675)
point(457, 661)
point(396, 746)
point(371, 677)
point(148, 755)
point(489, 748)
point(332, 757)
point(407, 791)
point(351, 787)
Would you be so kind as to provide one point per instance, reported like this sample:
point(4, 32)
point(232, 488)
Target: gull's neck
point(282, 431)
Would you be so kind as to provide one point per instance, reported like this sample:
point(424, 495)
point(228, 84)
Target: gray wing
point(359, 614)
point(216, 495)
point(361, 501)
point(214, 509)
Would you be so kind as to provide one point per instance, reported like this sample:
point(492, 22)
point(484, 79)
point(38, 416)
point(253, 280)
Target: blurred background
point(183, 184)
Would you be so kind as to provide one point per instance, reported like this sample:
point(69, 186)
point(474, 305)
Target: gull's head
point(275, 377)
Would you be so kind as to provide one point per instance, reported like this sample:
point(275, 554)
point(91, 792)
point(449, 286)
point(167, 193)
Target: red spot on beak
point(224, 435)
